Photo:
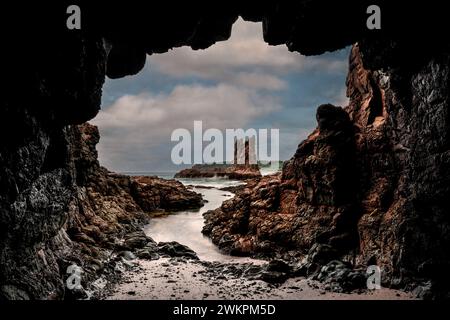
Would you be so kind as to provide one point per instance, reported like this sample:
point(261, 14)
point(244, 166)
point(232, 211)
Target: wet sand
point(194, 280)
point(165, 279)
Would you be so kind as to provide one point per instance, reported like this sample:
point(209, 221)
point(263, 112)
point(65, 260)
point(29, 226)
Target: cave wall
point(45, 90)
point(368, 186)
point(54, 78)
point(402, 121)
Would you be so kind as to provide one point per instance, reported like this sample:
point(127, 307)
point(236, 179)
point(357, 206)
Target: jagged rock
point(137, 240)
point(147, 254)
point(276, 271)
point(111, 207)
point(11, 292)
point(104, 208)
point(135, 58)
point(356, 186)
point(175, 249)
point(252, 271)
point(279, 266)
point(399, 188)
point(127, 255)
point(339, 277)
point(273, 276)
point(234, 172)
point(242, 167)
point(322, 254)
point(398, 85)
point(300, 207)
point(152, 193)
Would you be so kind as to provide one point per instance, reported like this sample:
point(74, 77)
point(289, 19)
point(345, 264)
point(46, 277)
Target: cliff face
point(311, 201)
point(86, 213)
point(399, 144)
point(292, 211)
point(59, 84)
point(403, 138)
point(370, 182)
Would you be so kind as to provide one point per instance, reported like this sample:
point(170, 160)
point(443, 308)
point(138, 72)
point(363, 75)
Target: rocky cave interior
point(392, 210)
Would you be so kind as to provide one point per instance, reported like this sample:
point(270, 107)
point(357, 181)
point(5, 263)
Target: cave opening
point(58, 206)
point(239, 83)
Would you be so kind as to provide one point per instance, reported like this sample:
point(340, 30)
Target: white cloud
point(245, 49)
point(259, 81)
point(337, 97)
point(136, 129)
point(247, 77)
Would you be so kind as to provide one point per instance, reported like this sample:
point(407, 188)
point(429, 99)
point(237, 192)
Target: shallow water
point(161, 279)
point(185, 227)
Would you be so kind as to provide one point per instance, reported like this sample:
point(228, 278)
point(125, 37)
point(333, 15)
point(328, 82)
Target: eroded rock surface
point(243, 166)
point(370, 182)
point(233, 172)
point(399, 110)
point(94, 218)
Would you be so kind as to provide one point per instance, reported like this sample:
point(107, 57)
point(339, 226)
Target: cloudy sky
point(239, 83)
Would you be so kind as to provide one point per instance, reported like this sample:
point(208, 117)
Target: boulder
point(175, 249)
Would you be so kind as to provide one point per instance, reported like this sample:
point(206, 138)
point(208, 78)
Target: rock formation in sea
point(233, 172)
point(244, 165)
point(391, 208)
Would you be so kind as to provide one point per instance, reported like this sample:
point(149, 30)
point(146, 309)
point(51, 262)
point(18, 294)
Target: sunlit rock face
point(398, 85)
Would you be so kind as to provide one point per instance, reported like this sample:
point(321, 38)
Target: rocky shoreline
point(189, 278)
point(384, 202)
point(232, 171)
point(243, 166)
point(103, 236)
point(351, 193)
point(173, 271)
point(106, 238)
point(105, 220)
